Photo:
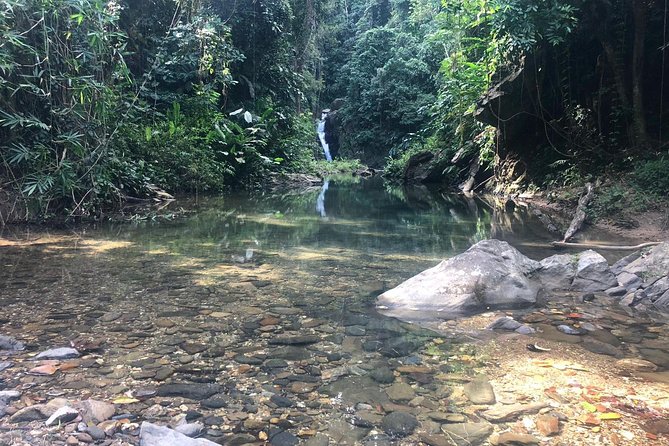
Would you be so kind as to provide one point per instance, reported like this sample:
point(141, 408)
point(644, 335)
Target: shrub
point(653, 176)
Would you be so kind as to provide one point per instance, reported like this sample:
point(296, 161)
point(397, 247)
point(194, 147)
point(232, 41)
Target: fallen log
point(557, 244)
point(579, 216)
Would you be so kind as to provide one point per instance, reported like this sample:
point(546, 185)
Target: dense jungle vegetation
point(104, 101)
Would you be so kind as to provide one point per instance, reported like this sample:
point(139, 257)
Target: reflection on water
point(320, 201)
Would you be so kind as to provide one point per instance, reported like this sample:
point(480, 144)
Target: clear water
point(190, 300)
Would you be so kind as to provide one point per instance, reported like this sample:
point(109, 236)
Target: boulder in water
point(490, 274)
point(593, 273)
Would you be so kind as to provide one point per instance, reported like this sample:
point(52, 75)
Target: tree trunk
point(640, 10)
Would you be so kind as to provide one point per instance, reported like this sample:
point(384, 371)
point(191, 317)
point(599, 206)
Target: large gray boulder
point(593, 273)
point(646, 275)
point(653, 264)
point(490, 274)
point(557, 272)
point(153, 435)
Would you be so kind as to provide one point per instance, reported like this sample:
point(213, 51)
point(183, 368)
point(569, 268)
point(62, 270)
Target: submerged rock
point(63, 415)
point(59, 353)
point(154, 435)
point(399, 424)
point(467, 434)
point(490, 274)
point(11, 344)
point(480, 391)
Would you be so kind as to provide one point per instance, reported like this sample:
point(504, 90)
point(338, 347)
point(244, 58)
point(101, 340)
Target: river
point(264, 303)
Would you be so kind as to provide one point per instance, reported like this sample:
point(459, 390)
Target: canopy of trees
point(104, 100)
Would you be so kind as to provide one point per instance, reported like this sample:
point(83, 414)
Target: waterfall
point(321, 135)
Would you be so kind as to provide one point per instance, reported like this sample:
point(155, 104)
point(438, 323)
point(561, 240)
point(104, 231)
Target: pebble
point(63, 415)
point(548, 425)
point(284, 439)
point(59, 353)
point(513, 439)
point(399, 424)
point(480, 391)
point(466, 434)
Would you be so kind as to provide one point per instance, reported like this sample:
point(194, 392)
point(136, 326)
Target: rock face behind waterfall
point(490, 274)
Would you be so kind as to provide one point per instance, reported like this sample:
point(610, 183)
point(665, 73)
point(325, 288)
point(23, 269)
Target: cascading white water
point(321, 136)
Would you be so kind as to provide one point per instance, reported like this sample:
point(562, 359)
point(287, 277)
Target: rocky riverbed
point(260, 352)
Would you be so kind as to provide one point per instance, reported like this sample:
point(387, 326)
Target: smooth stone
point(248, 360)
point(111, 316)
point(284, 439)
point(490, 274)
point(467, 434)
point(399, 424)
point(163, 373)
point(275, 363)
point(192, 348)
point(383, 375)
point(601, 348)
point(356, 389)
point(96, 432)
point(191, 430)
point(605, 336)
point(291, 353)
point(402, 346)
point(657, 427)
point(548, 425)
point(636, 365)
point(318, 440)
point(9, 395)
point(187, 390)
point(4, 365)
point(525, 330)
point(504, 323)
point(480, 391)
point(618, 291)
point(59, 353)
point(295, 340)
point(281, 401)
point(94, 411)
point(513, 439)
point(63, 415)
point(11, 344)
point(355, 330)
point(511, 412)
point(30, 413)
point(154, 435)
point(657, 357)
point(215, 402)
point(240, 439)
point(447, 417)
point(400, 392)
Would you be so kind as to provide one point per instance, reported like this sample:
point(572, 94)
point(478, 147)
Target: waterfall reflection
point(320, 202)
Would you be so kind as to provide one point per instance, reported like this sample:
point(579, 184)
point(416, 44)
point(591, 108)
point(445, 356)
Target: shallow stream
point(254, 315)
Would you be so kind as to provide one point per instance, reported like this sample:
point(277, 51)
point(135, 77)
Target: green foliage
point(336, 167)
point(653, 176)
point(103, 100)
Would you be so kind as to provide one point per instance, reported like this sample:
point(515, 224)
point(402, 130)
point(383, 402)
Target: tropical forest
point(334, 222)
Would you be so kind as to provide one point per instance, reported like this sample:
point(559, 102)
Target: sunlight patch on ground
point(101, 246)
